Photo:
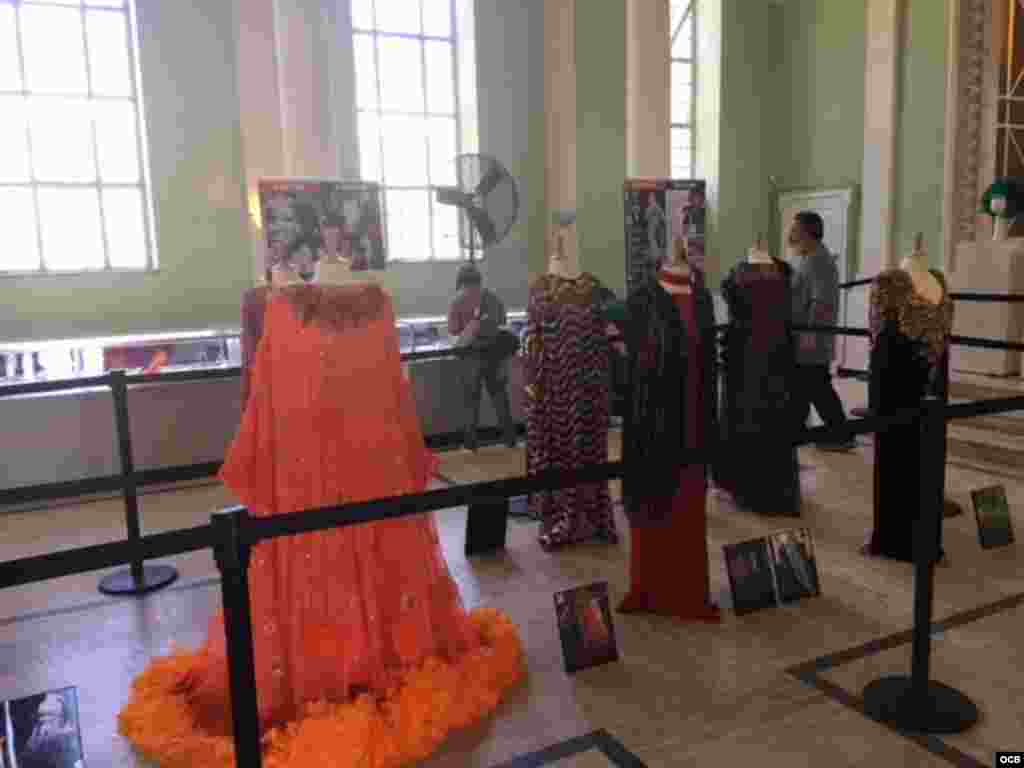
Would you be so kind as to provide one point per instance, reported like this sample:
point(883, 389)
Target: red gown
point(364, 653)
point(668, 563)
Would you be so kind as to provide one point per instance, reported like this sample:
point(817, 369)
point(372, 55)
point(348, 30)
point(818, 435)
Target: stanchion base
point(943, 709)
point(154, 577)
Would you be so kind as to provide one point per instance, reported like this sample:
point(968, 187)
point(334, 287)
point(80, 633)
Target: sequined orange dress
point(364, 653)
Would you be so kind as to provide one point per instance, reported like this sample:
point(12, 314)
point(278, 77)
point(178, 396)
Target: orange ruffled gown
point(364, 653)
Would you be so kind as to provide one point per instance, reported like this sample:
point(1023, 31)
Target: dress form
point(282, 275)
point(563, 260)
point(758, 253)
point(678, 267)
point(925, 283)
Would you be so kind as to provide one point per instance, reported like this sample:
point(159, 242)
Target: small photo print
point(992, 510)
point(750, 576)
point(42, 731)
point(796, 569)
point(585, 627)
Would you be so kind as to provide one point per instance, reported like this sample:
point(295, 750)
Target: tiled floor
point(682, 695)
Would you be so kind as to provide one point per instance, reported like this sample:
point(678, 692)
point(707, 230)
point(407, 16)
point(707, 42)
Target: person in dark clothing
point(816, 302)
point(474, 318)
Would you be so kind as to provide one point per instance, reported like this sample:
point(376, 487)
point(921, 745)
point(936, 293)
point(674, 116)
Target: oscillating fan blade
point(483, 225)
point(495, 173)
point(453, 196)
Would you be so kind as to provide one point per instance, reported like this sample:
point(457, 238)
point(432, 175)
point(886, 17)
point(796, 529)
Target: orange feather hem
point(407, 725)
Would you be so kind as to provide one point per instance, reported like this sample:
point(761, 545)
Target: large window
point(684, 58)
point(72, 163)
point(411, 85)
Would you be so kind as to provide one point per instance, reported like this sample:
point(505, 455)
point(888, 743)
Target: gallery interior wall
point(187, 60)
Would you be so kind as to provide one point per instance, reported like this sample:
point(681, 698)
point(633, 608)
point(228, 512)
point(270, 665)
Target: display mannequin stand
point(916, 702)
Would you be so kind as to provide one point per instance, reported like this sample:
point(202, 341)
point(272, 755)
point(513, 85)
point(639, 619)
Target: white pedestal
point(988, 266)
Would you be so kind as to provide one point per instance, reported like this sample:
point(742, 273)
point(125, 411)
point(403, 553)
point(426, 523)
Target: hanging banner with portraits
point(306, 220)
point(658, 213)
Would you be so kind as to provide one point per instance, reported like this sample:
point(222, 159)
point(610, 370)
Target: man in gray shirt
point(816, 302)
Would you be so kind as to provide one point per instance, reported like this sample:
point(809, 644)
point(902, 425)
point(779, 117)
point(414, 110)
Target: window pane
point(108, 53)
point(369, 147)
point(442, 150)
point(398, 16)
point(405, 151)
point(362, 14)
point(366, 72)
point(401, 74)
point(62, 139)
point(54, 49)
point(446, 232)
point(437, 18)
point(13, 140)
point(105, 3)
point(676, 10)
point(440, 78)
point(10, 68)
point(682, 151)
point(682, 48)
point(126, 232)
point(21, 246)
point(682, 92)
point(408, 223)
point(116, 141)
point(70, 221)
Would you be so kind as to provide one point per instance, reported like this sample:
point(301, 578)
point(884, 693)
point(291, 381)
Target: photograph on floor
point(42, 731)
point(585, 627)
point(748, 564)
point(309, 220)
point(659, 212)
point(796, 569)
point(992, 510)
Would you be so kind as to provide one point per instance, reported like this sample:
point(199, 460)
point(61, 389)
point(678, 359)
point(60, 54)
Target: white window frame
point(421, 38)
point(689, 14)
point(135, 98)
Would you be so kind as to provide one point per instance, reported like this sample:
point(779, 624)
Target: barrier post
point(231, 552)
point(139, 579)
point(917, 703)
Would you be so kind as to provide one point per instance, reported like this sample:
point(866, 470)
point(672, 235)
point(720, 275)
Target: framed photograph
point(794, 564)
point(748, 564)
point(42, 731)
point(585, 627)
point(305, 220)
point(992, 510)
point(659, 212)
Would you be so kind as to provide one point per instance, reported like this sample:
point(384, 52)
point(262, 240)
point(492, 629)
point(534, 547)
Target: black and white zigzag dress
point(566, 361)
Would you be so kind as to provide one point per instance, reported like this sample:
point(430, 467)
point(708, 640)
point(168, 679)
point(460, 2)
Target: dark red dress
point(668, 562)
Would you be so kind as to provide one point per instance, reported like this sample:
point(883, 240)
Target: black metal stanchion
point(139, 579)
point(917, 703)
point(231, 551)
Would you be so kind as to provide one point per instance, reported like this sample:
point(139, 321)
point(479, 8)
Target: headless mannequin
point(758, 253)
point(563, 260)
point(282, 275)
point(926, 285)
point(677, 266)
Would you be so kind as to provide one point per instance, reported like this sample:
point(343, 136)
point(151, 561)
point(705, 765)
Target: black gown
point(756, 461)
point(909, 344)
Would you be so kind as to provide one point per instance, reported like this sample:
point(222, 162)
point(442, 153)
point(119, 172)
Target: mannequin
point(566, 360)
point(670, 411)
point(755, 417)
point(563, 260)
point(911, 317)
point(357, 631)
point(758, 253)
point(926, 285)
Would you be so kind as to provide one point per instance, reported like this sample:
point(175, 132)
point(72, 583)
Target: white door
point(834, 207)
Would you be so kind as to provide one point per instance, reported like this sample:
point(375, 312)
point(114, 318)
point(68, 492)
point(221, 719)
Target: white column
point(878, 185)
point(648, 88)
point(560, 104)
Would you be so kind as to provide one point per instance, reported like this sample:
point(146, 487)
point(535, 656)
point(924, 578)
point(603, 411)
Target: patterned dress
point(909, 344)
point(566, 357)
